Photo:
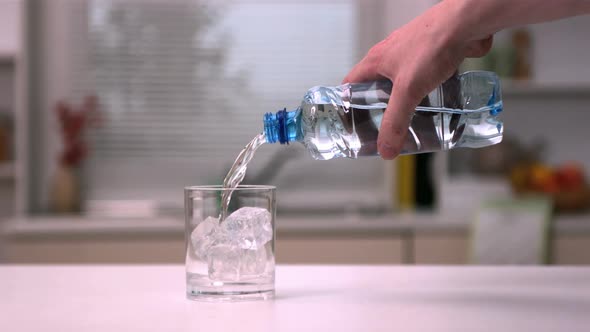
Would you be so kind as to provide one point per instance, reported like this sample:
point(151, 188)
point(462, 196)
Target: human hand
point(417, 58)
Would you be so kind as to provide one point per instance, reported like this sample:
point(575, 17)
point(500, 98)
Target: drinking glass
point(232, 259)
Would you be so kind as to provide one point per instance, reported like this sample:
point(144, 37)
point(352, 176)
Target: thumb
point(396, 119)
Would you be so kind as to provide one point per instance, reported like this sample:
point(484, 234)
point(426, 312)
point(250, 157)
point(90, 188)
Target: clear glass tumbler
point(232, 259)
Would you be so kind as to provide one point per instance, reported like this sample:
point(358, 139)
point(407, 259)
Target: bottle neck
point(282, 127)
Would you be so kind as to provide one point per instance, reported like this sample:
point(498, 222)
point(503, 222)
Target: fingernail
point(386, 150)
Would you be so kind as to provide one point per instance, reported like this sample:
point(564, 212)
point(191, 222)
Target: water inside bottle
point(352, 133)
point(342, 122)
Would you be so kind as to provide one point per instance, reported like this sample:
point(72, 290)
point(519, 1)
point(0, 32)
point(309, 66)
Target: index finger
point(396, 119)
point(362, 72)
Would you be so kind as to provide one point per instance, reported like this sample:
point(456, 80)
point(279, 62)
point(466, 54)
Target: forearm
point(475, 19)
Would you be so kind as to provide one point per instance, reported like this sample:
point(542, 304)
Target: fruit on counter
point(565, 183)
point(519, 178)
point(570, 176)
point(543, 179)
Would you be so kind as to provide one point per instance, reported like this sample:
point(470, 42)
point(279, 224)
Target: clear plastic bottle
point(344, 121)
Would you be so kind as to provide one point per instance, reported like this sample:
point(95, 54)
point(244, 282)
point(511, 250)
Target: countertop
point(309, 298)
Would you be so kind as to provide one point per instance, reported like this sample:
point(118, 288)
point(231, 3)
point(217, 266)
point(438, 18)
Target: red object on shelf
point(73, 121)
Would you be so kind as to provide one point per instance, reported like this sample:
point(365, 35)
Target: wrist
point(465, 20)
point(451, 26)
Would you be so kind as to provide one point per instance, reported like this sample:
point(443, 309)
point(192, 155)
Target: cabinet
point(339, 249)
point(95, 250)
point(441, 248)
point(571, 249)
point(169, 248)
point(436, 246)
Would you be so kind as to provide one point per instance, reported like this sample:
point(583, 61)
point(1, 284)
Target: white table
point(309, 298)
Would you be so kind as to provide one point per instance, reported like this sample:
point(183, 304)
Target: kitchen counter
point(309, 298)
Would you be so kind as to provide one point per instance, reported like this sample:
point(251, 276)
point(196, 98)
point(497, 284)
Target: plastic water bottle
point(344, 121)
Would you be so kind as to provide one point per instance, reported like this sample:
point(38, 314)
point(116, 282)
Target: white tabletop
point(309, 298)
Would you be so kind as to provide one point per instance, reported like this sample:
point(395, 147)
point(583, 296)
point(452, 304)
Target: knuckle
point(374, 58)
point(411, 86)
point(399, 132)
point(380, 61)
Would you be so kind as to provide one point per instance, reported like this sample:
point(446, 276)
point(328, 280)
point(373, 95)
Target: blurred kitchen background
point(108, 108)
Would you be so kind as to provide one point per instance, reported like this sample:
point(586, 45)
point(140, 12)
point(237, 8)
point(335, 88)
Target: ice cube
point(224, 263)
point(270, 257)
point(204, 235)
point(235, 247)
point(253, 262)
point(228, 263)
point(249, 227)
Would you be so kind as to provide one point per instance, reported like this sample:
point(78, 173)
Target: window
point(183, 86)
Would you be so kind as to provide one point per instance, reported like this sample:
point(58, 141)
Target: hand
point(417, 58)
